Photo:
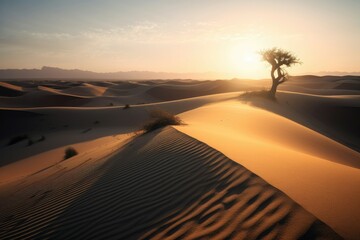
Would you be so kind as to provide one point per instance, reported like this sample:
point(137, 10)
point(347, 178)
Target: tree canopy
point(278, 58)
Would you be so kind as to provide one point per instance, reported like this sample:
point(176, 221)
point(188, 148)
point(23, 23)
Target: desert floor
point(241, 167)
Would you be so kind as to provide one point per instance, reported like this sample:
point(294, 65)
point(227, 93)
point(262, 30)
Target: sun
point(245, 60)
point(243, 57)
point(249, 58)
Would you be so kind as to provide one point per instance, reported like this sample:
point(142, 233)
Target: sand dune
point(76, 94)
point(63, 126)
point(42, 99)
point(172, 187)
point(86, 89)
point(171, 91)
point(289, 156)
point(328, 85)
point(14, 170)
point(10, 90)
point(336, 116)
point(167, 185)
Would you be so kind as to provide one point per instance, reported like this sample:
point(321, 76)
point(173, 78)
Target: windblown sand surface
point(241, 168)
point(162, 185)
point(317, 172)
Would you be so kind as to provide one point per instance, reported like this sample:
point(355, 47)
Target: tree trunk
point(275, 83)
point(273, 89)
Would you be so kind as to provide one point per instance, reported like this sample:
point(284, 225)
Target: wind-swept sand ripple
point(163, 185)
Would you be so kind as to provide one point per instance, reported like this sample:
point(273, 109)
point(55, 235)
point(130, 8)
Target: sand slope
point(26, 166)
point(10, 90)
point(317, 172)
point(161, 185)
point(335, 116)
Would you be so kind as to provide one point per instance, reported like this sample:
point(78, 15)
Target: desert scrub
point(259, 94)
point(159, 119)
point(70, 152)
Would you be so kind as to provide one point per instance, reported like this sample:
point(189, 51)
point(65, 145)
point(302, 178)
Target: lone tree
point(278, 58)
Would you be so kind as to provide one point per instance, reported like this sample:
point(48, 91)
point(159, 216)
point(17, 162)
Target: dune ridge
point(10, 90)
point(160, 185)
point(320, 174)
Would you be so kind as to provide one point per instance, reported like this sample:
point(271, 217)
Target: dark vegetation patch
point(257, 94)
point(70, 152)
point(159, 119)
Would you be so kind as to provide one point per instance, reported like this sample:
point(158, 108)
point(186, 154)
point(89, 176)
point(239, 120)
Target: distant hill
point(67, 74)
point(335, 73)
point(58, 73)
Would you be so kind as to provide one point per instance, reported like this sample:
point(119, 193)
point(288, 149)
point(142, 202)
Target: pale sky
point(179, 36)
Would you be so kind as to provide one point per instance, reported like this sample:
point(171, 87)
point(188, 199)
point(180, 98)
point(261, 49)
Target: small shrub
point(259, 94)
point(126, 106)
point(70, 152)
point(111, 104)
point(160, 118)
point(96, 122)
point(17, 139)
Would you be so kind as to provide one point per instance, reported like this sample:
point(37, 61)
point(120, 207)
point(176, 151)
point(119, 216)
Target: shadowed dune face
point(327, 85)
point(10, 90)
point(317, 172)
point(163, 185)
point(336, 116)
point(63, 126)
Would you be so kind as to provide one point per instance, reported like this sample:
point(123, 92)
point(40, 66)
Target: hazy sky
point(179, 36)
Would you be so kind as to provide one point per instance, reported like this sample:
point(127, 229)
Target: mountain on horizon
point(56, 73)
point(334, 73)
point(59, 73)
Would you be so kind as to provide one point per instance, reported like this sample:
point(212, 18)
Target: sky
point(223, 37)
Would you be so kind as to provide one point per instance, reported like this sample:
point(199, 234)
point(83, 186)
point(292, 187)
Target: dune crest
point(169, 187)
point(320, 174)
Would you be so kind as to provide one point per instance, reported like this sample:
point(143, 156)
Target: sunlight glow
point(244, 59)
point(218, 37)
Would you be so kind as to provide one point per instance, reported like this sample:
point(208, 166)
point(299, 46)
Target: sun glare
point(250, 58)
point(245, 60)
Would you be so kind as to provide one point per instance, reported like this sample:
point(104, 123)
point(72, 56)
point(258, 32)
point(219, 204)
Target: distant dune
point(240, 168)
point(10, 90)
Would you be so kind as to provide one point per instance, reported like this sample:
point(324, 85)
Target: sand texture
point(163, 185)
